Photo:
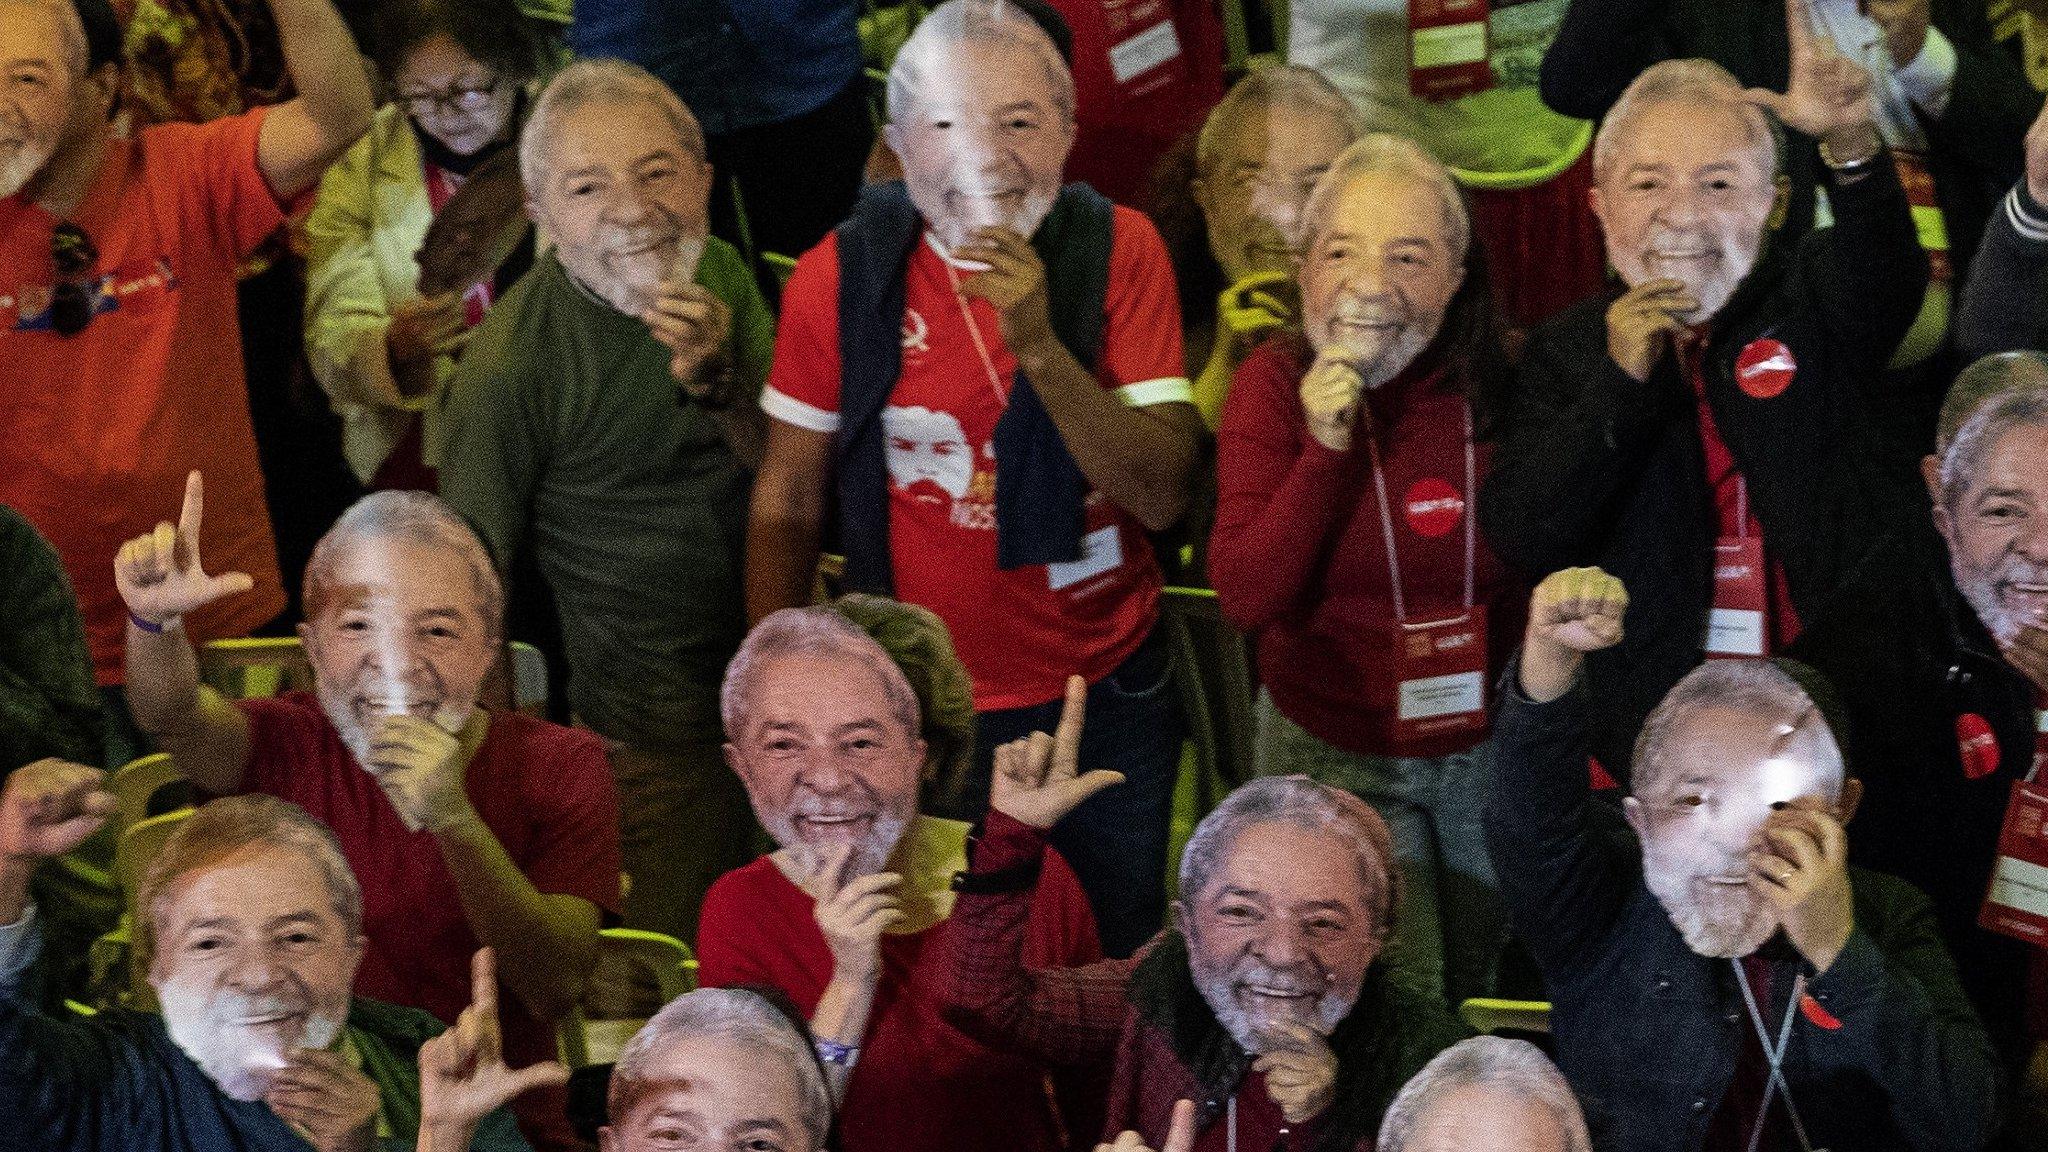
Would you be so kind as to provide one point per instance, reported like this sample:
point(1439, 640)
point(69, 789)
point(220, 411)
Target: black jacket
point(1593, 467)
point(2003, 304)
point(1974, 148)
point(1648, 1031)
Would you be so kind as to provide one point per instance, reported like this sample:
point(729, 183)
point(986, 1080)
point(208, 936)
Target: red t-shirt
point(1146, 73)
point(1735, 514)
point(98, 430)
point(920, 1084)
point(543, 790)
point(1021, 633)
point(1298, 556)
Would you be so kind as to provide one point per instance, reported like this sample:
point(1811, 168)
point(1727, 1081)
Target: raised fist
point(1037, 779)
point(50, 807)
point(1578, 608)
point(159, 573)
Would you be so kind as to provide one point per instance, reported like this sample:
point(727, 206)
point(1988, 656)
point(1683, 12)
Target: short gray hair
point(1991, 398)
point(1760, 689)
point(1515, 1066)
point(222, 829)
point(739, 1015)
point(924, 62)
point(1283, 85)
point(811, 631)
point(1686, 81)
point(1383, 152)
point(1301, 803)
point(70, 25)
point(421, 517)
point(599, 81)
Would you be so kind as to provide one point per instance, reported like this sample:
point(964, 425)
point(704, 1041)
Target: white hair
point(926, 61)
point(1301, 803)
point(1515, 1066)
point(1759, 689)
point(1991, 398)
point(1383, 152)
point(739, 1015)
point(812, 631)
point(599, 81)
point(1696, 82)
point(421, 517)
point(1284, 85)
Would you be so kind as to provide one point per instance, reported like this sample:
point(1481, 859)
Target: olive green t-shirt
point(565, 431)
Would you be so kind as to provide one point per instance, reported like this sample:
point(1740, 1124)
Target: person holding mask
point(459, 71)
point(1345, 538)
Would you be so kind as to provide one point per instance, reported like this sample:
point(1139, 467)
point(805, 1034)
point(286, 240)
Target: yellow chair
point(780, 265)
point(255, 666)
point(141, 844)
point(1490, 1016)
point(137, 783)
point(1214, 678)
point(624, 953)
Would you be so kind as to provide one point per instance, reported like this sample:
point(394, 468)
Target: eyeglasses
point(462, 98)
point(73, 252)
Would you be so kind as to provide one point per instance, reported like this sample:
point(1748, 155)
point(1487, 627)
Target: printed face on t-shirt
point(1996, 525)
point(1487, 1118)
point(1379, 273)
point(252, 962)
point(36, 89)
point(1268, 159)
point(1718, 776)
point(626, 199)
point(402, 627)
point(827, 761)
point(983, 146)
point(1281, 935)
point(1685, 197)
point(714, 1094)
point(927, 454)
point(453, 96)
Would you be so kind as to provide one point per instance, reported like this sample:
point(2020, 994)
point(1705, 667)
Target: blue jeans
point(1116, 841)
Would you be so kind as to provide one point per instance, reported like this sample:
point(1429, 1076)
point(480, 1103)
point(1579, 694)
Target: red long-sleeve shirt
point(1299, 556)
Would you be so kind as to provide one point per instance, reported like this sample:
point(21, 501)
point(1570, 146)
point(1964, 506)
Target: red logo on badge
point(1765, 369)
point(1977, 744)
point(1434, 507)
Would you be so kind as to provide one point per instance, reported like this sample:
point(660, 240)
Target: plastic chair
point(1490, 1016)
point(254, 667)
point(627, 952)
point(529, 679)
point(137, 783)
point(778, 264)
point(140, 844)
point(1212, 669)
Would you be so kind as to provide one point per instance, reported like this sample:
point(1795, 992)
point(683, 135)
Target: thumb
point(1073, 793)
point(229, 584)
point(547, 1074)
point(1764, 98)
point(1180, 1135)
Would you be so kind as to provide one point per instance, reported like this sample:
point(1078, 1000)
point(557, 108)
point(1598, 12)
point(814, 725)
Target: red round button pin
point(1765, 369)
point(1977, 745)
point(1433, 507)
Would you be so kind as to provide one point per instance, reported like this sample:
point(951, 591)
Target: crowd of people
point(1610, 437)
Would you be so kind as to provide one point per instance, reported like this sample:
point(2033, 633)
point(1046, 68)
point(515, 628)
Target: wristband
point(1853, 167)
point(152, 629)
point(834, 1053)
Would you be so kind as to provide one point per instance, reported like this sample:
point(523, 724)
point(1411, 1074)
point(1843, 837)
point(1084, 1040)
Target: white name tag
point(1435, 696)
point(1101, 550)
point(1735, 632)
point(1144, 52)
point(1449, 44)
point(2020, 884)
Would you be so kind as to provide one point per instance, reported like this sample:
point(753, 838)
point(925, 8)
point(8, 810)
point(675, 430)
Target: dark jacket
point(2006, 301)
point(1974, 148)
point(1649, 1031)
point(1593, 467)
point(49, 704)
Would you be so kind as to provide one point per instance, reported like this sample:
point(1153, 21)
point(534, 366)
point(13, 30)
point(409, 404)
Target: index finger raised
point(1180, 1134)
point(193, 512)
point(483, 981)
point(1073, 717)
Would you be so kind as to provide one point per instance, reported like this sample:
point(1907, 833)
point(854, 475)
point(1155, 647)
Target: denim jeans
point(1452, 923)
point(1116, 841)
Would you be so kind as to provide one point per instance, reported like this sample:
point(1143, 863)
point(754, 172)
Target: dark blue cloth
point(737, 65)
point(1039, 488)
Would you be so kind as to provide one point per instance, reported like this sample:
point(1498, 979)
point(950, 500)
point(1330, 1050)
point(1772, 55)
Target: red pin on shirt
point(1818, 1016)
point(1433, 507)
point(1977, 744)
point(1765, 368)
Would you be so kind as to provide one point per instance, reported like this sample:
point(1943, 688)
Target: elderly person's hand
point(1300, 1071)
point(1038, 779)
point(1828, 96)
point(1573, 612)
point(1802, 867)
point(2028, 652)
point(852, 915)
point(1014, 285)
point(1180, 1134)
point(159, 574)
point(693, 324)
point(1331, 393)
point(1644, 321)
point(420, 768)
point(328, 1099)
point(463, 1076)
point(49, 807)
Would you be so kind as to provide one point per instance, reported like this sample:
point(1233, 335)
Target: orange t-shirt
point(97, 430)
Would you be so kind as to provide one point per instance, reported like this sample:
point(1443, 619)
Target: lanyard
point(988, 362)
point(1379, 484)
point(1776, 1056)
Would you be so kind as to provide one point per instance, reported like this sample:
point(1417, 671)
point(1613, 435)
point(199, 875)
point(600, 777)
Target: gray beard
point(1725, 934)
point(1982, 595)
point(1249, 1028)
point(16, 173)
point(241, 1065)
point(870, 855)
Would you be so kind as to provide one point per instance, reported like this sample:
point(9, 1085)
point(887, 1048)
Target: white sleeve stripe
point(2027, 226)
point(791, 410)
point(1165, 390)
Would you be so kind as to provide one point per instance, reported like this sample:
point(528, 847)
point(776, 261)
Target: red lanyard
point(1379, 484)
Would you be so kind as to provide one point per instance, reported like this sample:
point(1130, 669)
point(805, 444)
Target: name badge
point(1101, 551)
point(1448, 48)
point(2017, 904)
point(1142, 40)
point(1439, 677)
point(1735, 624)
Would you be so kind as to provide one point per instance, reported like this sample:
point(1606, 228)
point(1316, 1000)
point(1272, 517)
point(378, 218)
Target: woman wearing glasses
point(459, 72)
